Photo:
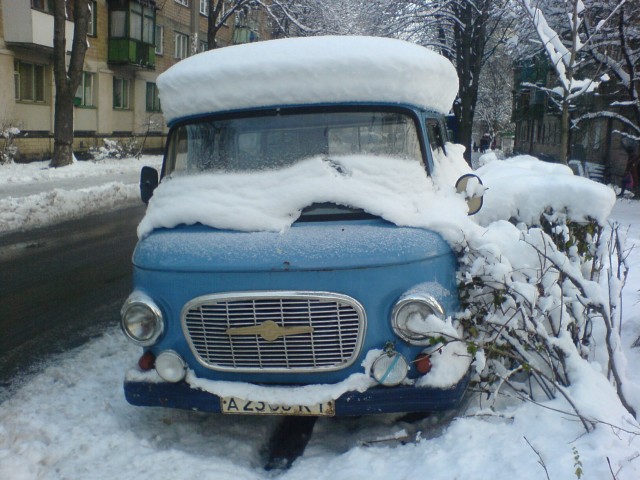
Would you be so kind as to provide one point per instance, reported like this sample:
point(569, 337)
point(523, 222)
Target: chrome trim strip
point(316, 339)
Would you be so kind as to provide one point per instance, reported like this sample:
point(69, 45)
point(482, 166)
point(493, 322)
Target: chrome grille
point(313, 330)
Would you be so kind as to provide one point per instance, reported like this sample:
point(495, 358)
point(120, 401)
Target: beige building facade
point(130, 43)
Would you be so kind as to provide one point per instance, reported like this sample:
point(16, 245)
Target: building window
point(159, 39)
point(121, 93)
point(183, 2)
point(203, 46)
point(153, 101)
point(92, 27)
point(141, 23)
point(44, 5)
point(29, 79)
point(204, 7)
point(182, 46)
point(84, 94)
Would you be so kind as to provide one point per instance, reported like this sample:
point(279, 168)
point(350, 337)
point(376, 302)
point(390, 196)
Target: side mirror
point(471, 186)
point(148, 183)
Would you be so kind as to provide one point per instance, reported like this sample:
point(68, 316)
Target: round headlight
point(390, 369)
point(171, 367)
point(410, 318)
point(141, 319)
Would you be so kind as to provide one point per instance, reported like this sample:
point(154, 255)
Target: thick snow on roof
point(310, 70)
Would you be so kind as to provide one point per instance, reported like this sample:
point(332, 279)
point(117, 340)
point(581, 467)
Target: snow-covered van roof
point(302, 71)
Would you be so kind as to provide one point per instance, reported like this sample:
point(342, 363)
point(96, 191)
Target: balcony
point(131, 33)
point(244, 35)
point(126, 51)
point(30, 28)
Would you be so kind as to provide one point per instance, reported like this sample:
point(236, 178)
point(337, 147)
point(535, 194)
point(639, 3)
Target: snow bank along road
point(34, 195)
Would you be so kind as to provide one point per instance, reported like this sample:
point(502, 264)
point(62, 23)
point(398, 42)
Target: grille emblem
point(269, 330)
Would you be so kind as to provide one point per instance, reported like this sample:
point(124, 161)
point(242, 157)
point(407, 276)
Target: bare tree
point(560, 30)
point(494, 105)
point(68, 79)
point(466, 32)
point(613, 45)
point(301, 18)
point(219, 13)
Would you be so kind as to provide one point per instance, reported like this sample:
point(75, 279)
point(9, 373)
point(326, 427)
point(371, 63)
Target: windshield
point(280, 140)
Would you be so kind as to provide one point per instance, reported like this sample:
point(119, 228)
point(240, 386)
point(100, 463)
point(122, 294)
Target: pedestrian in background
point(630, 177)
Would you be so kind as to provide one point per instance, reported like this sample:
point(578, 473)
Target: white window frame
point(183, 2)
point(153, 103)
point(36, 89)
point(159, 40)
point(181, 46)
point(204, 7)
point(125, 89)
point(81, 93)
point(92, 25)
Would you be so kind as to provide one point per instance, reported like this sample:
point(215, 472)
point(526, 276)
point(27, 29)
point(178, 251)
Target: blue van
point(331, 314)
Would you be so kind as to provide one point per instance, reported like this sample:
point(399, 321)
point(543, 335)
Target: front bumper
point(374, 400)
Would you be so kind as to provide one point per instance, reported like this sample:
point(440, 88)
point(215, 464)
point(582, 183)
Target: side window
point(436, 136)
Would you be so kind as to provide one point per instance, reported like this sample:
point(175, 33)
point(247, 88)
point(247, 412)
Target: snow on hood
point(271, 200)
point(298, 71)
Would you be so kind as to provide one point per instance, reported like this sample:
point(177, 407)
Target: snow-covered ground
point(33, 195)
point(70, 421)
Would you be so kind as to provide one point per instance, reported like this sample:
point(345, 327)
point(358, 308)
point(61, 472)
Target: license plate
point(240, 406)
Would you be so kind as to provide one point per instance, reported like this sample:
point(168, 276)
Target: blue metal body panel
point(371, 261)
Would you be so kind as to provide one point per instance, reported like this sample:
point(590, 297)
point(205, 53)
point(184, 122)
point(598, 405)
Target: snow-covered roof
point(299, 71)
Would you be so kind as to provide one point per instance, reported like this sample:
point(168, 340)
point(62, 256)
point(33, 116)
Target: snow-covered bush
point(117, 149)
point(8, 132)
point(540, 287)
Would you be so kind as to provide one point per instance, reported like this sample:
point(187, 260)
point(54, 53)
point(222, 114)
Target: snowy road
point(50, 278)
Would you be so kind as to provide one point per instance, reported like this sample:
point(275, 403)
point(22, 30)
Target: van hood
point(305, 246)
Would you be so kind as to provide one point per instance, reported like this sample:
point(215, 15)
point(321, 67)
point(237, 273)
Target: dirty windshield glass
point(278, 141)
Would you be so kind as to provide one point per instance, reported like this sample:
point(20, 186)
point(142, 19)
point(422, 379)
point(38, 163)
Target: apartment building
point(538, 121)
point(130, 43)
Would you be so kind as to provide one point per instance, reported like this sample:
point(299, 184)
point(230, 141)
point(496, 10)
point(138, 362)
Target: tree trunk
point(63, 129)
point(67, 81)
point(470, 42)
point(564, 134)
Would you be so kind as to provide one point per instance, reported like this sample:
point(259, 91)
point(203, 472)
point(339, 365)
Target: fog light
point(170, 366)
point(390, 369)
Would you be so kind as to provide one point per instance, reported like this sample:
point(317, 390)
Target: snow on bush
point(8, 132)
point(117, 149)
point(535, 286)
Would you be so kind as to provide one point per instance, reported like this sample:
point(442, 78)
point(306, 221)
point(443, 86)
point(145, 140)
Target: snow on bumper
point(151, 392)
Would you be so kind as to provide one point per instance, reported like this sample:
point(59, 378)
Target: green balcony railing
point(126, 51)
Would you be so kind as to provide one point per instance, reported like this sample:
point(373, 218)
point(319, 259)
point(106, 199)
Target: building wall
point(100, 120)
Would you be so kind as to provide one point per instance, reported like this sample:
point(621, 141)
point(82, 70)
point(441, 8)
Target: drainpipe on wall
point(195, 26)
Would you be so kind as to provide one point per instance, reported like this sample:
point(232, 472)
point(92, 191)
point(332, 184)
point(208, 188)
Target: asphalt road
point(60, 286)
